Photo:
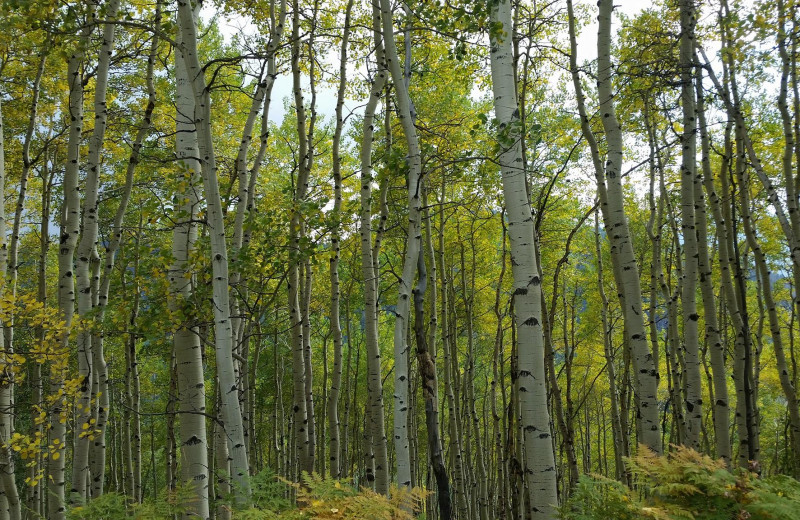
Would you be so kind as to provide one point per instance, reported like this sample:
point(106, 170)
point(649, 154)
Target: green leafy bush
point(684, 485)
point(112, 506)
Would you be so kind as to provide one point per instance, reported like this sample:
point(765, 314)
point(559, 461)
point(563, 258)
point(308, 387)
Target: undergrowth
point(684, 485)
point(316, 498)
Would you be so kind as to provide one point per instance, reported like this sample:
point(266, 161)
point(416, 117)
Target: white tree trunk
point(9, 486)
point(413, 245)
point(539, 463)
point(689, 182)
point(336, 329)
point(87, 254)
point(186, 339)
point(609, 190)
point(713, 337)
point(70, 230)
point(223, 337)
point(376, 429)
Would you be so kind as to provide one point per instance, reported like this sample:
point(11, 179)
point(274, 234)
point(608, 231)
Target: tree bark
point(539, 458)
point(376, 432)
point(223, 337)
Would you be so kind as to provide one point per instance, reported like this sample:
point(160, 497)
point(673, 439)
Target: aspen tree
point(301, 415)
point(375, 426)
point(9, 267)
point(87, 259)
point(689, 180)
point(70, 231)
point(186, 335)
point(11, 504)
point(539, 465)
point(406, 114)
point(100, 393)
point(713, 334)
point(609, 187)
point(336, 329)
point(223, 333)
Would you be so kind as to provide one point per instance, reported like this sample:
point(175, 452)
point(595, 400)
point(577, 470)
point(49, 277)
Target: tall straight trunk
point(306, 165)
point(728, 261)
point(689, 180)
point(500, 420)
point(448, 353)
point(70, 231)
point(743, 354)
point(427, 370)
point(336, 329)
point(193, 437)
point(9, 266)
point(133, 439)
point(301, 417)
point(713, 337)
point(617, 433)
point(305, 308)
point(11, 503)
point(535, 418)
point(223, 333)
point(87, 255)
point(100, 393)
point(609, 184)
point(787, 385)
point(34, 494)
point(407, 114)
point(376, 430)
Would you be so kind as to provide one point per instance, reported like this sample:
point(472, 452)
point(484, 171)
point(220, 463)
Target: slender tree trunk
point(539, 457)
point(448, 354)
point(223, 337)
point(713, 337)
point(302, 415)
point(689, 180)
point(70, 231)
point(609, 184)
point(336, 329)
point(407, 114)
point(11, 502)
point(376, 432)
point(427, 370)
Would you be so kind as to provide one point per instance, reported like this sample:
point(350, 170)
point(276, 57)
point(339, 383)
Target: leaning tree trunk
point(223, 336)
point(413, 247)
point(609, 187)
point(539, 458)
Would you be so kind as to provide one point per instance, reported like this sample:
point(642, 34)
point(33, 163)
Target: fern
point(684, 485)
point(322, 498)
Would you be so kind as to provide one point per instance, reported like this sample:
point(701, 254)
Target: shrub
point(684, 484)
